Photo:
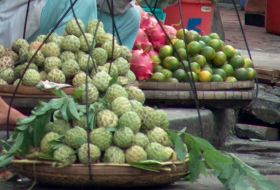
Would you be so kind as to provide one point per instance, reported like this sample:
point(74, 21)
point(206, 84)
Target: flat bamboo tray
point(105, 175)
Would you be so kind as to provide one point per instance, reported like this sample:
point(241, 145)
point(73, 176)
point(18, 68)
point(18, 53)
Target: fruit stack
point(188, 55)
point(66, 59)
point(126, 131)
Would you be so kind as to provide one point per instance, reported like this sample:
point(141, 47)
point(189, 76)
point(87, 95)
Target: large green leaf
point(39, 127)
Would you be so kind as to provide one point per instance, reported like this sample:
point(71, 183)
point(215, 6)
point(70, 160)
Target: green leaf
point(78, 93)
point(22, 127)
point(26, 120)
point(63, 110)
point(73, 110)
point(59, 93)
point(145, 167)
point(39, 128)
point(56, 103)
point(113, 80)
point(179, 145)
point(5, 161)
point(16, 146)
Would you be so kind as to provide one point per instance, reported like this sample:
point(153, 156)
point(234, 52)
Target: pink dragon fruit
point(142, 41)
point(141, 64)
point(154, 57)
point(147, 21)
point(170, 30)
point(157, 37)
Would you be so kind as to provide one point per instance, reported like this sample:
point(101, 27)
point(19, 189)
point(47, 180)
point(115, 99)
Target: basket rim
point(28, 162)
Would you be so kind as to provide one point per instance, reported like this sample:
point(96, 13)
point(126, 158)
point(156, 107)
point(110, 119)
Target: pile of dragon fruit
point(149, 40)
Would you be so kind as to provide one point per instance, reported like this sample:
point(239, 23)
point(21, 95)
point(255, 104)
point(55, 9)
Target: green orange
point(248, 63)
point(182, 54)
point(251, 73)
point(195, 67)
point(165, 51)
point(231, 79)
point(179, 44)
point(158, 76)
point(215, 44)
point(208, 52)
point(171, 63)
point(180, 33)
point(237, 61)
point(167, 73)
point(228, 69)
point(229, 51)
point(158, 68)
point(194, 48)
point(217, 78)
point(192, 36)
point(214, 36)
point(220, 72)
point(180, 75)
point(241, 74)
point(205, 39)
point(173, 80)
point(219, 59)
point(207, 68)
point(192, 75)
point(200, 59)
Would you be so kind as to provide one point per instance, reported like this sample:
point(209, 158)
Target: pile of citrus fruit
point(191, 56)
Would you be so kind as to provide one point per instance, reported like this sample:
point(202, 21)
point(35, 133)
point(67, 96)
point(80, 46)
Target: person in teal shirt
point(44, 14)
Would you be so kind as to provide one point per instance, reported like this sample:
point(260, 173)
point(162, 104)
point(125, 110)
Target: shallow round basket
point(117, 175)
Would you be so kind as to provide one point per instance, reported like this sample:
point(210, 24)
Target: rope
point(26, 18)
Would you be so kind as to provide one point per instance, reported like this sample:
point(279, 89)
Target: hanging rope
point(26, 19)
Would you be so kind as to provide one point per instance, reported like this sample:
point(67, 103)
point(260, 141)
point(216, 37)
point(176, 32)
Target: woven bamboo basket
point(103, 175)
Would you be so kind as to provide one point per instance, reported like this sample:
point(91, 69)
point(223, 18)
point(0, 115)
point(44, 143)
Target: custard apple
point(101, 80)
point(64, 56)
point(140, 139)
point(18, 44)
point(114, 91)
point(131, 120)
point(59, 126)
point(135, 154)
point(86, 42)
point(100, 55)
point(121, 105)
point(46, 142)
point(131, 76)
point(20, 69)
point(41, 38)
point(156, 151)
point(161, 119)
point(80, 79)
point(57, 76)
point(8, 75)
point(92, 25)
point(70, 68)
point(75, 27)
point(126, 53)
point(112, 53)
point(75, 137)
point(38, 59)
point(51, 49)
point(114, 155)
point(122, 64)
point(88, 156)
point(101, 137)
point(85, 62)
point(65, 155)
point(123, 81)
point(70, 43)
point(2, 50)
point(123, 137)
point(106, 118)
point(31, 77)
point(55, 38)
point(159, 135)
point(52, 63)
point(134, 93)
point(6, 62)
point(88, 97)
point(137, 107)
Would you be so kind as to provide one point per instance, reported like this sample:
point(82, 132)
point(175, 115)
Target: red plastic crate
point(197, 15)
point(272, 24)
